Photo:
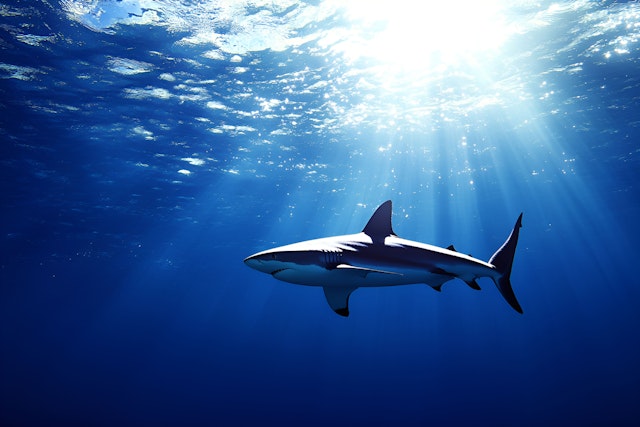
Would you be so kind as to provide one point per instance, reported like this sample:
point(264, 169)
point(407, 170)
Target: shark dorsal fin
point(379, 226)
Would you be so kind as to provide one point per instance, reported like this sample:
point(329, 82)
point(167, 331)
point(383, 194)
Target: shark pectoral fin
point(363, 271)
point(338, 299)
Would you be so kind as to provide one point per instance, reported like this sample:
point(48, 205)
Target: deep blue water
point(149, 147)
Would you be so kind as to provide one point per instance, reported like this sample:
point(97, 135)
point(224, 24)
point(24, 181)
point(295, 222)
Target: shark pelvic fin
point(338, 299)
point(379, 225)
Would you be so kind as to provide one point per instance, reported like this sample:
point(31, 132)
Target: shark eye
point(273, 256)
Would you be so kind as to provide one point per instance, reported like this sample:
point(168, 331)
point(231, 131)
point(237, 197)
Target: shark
point(378, 257)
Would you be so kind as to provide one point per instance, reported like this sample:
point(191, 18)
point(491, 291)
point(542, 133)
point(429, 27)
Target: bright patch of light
point(139, 130)
point(193, 161)
point(215, 105)
point(406, 32)
point(10, 71)
point(167, 77)
point(213, 54)
point(150, 92)
point(268, 104)
point(128, 67)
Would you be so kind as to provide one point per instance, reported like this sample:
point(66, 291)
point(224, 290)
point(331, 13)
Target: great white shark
point(378, 257)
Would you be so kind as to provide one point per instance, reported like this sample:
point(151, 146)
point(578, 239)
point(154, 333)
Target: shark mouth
point(274, 272)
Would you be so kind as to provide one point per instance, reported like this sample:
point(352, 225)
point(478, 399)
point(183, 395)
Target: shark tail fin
point(502, 260)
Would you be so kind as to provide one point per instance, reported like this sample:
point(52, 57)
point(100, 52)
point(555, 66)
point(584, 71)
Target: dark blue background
point(124, 299)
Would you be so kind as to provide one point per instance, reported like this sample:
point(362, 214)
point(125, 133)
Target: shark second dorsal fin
point(379, 225)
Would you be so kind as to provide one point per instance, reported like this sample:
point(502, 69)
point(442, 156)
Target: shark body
point(378, 257)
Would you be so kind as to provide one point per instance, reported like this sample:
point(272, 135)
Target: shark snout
point(258, 262)
point(253, 262)
point(267, 262)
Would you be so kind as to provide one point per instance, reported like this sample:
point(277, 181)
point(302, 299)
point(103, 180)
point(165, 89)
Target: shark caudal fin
point(502, 260)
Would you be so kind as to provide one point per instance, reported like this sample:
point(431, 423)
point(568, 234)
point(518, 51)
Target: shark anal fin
point(338, 299)
point(473, 284)
point(363, 271)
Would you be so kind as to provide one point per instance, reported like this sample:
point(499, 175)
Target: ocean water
point(148, 147)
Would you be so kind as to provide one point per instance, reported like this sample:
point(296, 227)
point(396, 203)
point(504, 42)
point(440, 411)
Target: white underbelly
point(319, 276)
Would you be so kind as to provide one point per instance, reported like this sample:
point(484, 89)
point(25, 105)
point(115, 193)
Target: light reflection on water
point(397, 68)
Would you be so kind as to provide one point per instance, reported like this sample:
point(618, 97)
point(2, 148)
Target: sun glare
point(410, 33)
